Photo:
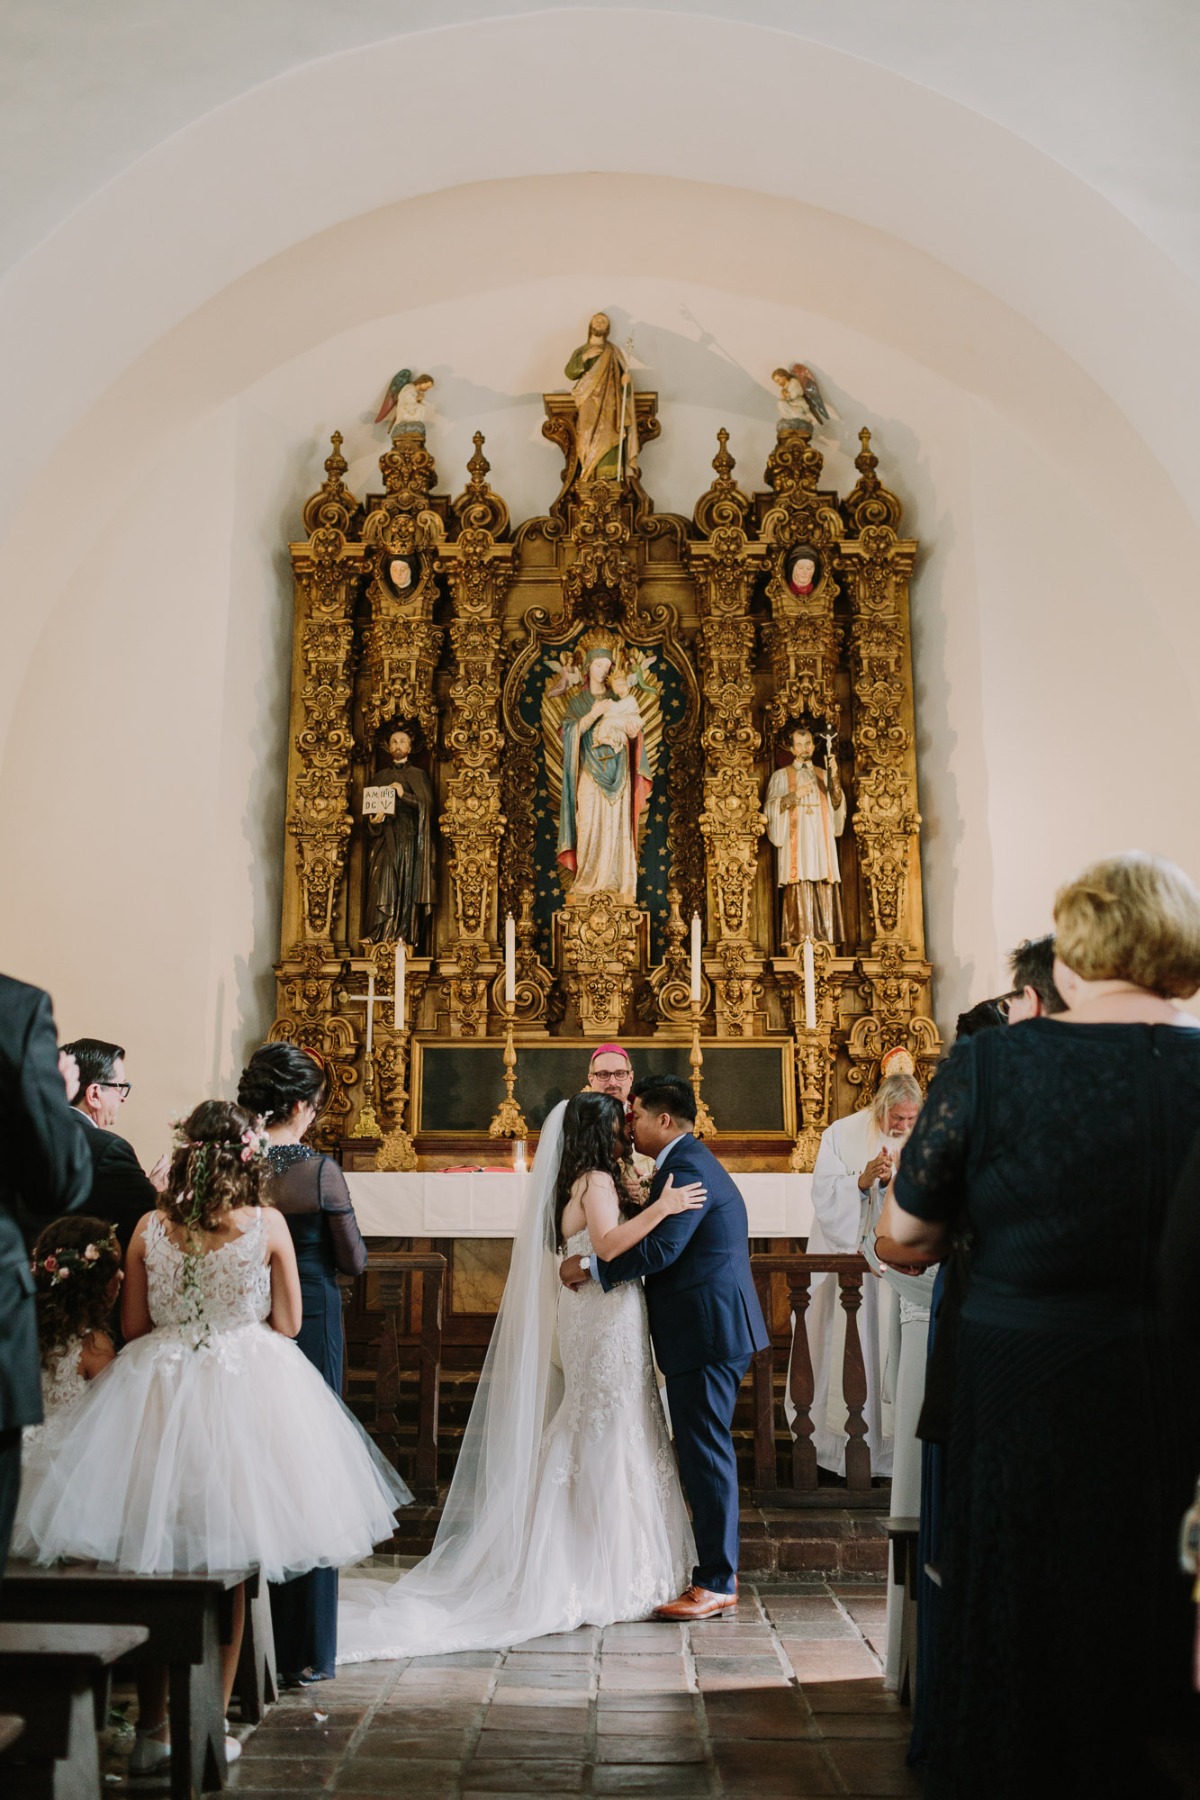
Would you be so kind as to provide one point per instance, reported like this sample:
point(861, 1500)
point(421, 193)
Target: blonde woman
point(1064, 1634)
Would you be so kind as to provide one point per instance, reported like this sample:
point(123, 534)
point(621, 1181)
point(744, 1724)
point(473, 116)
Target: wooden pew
point(186, 1619)
point(11, 1728)
point(256, 1684)
point(57, 1675)
point(903, 1535)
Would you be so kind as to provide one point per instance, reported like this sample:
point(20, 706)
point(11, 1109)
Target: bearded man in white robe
point(854, 1165)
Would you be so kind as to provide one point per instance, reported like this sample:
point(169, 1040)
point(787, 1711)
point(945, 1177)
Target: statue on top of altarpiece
point(400, 872)
point(806, 814)
point(602, 730)
point(606, 437)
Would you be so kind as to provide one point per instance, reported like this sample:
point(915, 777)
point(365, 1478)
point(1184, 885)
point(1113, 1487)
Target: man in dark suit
point(121, 1191)
point(46, 1170)
point(706, 1324)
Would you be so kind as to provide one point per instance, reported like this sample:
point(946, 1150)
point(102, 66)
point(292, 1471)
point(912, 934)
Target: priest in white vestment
point(853, 1168)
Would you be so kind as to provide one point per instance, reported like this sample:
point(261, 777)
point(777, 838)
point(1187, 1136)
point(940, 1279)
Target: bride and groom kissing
point(566, 1507)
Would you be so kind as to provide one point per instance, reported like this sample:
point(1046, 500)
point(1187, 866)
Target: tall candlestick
point(695, 959)
point(398, 1014)
point(810, 988)
point(370, 1010)
point(510, 960)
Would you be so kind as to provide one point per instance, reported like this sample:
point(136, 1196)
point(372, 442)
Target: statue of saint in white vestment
point(806, 813)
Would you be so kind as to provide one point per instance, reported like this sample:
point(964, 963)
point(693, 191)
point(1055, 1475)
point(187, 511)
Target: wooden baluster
point(386, 1429)
point(800, 1385)
point(766, 1474)
point(430, 1381)
point(854, 1384)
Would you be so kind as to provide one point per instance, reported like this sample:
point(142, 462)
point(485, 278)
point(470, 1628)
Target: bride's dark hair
point(590, 1140)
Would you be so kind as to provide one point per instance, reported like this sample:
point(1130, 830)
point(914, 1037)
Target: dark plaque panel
point(461, 1085)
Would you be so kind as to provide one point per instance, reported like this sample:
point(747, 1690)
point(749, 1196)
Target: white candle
point(810, 988)
point(398, 1012)
point(695, 959)
point(510, 960)
point(370, 1010)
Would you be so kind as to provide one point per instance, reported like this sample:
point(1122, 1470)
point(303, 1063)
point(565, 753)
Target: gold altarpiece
point(708, 605)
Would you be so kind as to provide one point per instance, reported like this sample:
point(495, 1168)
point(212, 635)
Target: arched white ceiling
point(555, 91)
point(1104, 87)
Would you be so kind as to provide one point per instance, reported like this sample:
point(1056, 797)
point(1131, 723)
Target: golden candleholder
point(705, 1125)
point(509, 1121)
point(397, 1151)
point(368, 1125)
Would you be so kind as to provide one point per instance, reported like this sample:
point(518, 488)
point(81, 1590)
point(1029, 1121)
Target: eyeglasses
point(611, 1075)
point(124, 1088)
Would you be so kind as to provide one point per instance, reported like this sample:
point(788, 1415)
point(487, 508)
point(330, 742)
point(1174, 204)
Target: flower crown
point(61, 1264)
point(254, 1144)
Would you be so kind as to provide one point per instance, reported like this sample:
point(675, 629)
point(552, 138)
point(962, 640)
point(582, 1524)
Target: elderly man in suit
point(705, 1323)
point(45, 1169)
point(122, 1192)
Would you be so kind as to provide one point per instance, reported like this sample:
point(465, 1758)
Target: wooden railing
point(410, 1293)
point(798, 1271)
point(409, 1311)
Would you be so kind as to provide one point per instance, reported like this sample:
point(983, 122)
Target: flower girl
point(211, 1441)
point(77, 1271)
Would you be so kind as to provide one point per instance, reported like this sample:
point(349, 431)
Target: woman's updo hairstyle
point(1133, 918)
point(219, 1163)
point(276, 1078)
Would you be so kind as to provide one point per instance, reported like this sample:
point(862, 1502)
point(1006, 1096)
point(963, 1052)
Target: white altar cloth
point(450, 1203)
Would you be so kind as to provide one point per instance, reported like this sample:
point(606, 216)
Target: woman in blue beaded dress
point(286, 1087)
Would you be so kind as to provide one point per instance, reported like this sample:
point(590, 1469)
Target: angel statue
point(402, 403)
point(801, 404)
point(606, 439)
point(602, 728)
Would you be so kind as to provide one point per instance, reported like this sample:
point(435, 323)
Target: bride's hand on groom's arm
point(688, 1198)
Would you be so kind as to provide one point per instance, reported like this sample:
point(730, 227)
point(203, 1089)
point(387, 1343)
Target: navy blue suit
point(706, 1324)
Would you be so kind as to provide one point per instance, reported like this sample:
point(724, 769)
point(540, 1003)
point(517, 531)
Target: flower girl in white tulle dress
point(210, 1441)
point(77, 1273)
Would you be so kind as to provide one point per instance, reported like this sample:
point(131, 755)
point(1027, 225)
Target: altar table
point(452, 1203)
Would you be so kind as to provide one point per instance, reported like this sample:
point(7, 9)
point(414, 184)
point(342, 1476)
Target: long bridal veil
point(474, 1590)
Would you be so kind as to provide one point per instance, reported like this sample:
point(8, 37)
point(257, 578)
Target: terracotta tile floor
point(786, 1700)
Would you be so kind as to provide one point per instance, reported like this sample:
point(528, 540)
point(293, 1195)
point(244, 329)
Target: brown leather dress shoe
point(697, 1603)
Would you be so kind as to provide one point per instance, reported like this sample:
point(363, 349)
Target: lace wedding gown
point(566, 1507)
point(211, 1442)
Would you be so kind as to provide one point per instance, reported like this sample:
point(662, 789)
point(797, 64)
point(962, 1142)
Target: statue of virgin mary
point(607, 771)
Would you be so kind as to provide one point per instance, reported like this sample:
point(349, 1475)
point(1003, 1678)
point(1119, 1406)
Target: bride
point(565, 1508)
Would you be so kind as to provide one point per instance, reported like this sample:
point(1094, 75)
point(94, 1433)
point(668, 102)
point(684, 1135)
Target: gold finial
point(478, 467)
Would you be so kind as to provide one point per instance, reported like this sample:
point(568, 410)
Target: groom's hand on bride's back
point(572, 1273)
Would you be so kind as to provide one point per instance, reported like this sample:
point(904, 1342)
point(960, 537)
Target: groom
point(706, 1324)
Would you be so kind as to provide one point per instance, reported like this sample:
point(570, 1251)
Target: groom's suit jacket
point(699, 1290)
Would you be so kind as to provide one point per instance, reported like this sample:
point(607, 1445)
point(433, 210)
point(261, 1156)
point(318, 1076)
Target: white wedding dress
point(566, 1507)
point(209, 1443)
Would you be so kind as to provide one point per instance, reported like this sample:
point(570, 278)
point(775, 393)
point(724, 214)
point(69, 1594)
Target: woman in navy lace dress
point(286, 1087)
point(1074, 1437)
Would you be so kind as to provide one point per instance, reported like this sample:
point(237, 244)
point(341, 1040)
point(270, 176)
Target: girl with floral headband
point(211, 1442)
point(77, 1272)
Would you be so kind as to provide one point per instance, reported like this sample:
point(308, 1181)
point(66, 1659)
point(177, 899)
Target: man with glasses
point(1033, 994)
point(121, 1191)
point(611, 1072)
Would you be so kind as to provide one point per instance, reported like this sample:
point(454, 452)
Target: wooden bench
point(903, 1536)
point(57, 1675)
point(186, 1619)
point(10, 1730)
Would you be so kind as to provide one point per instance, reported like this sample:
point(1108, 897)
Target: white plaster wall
point(151, 910)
